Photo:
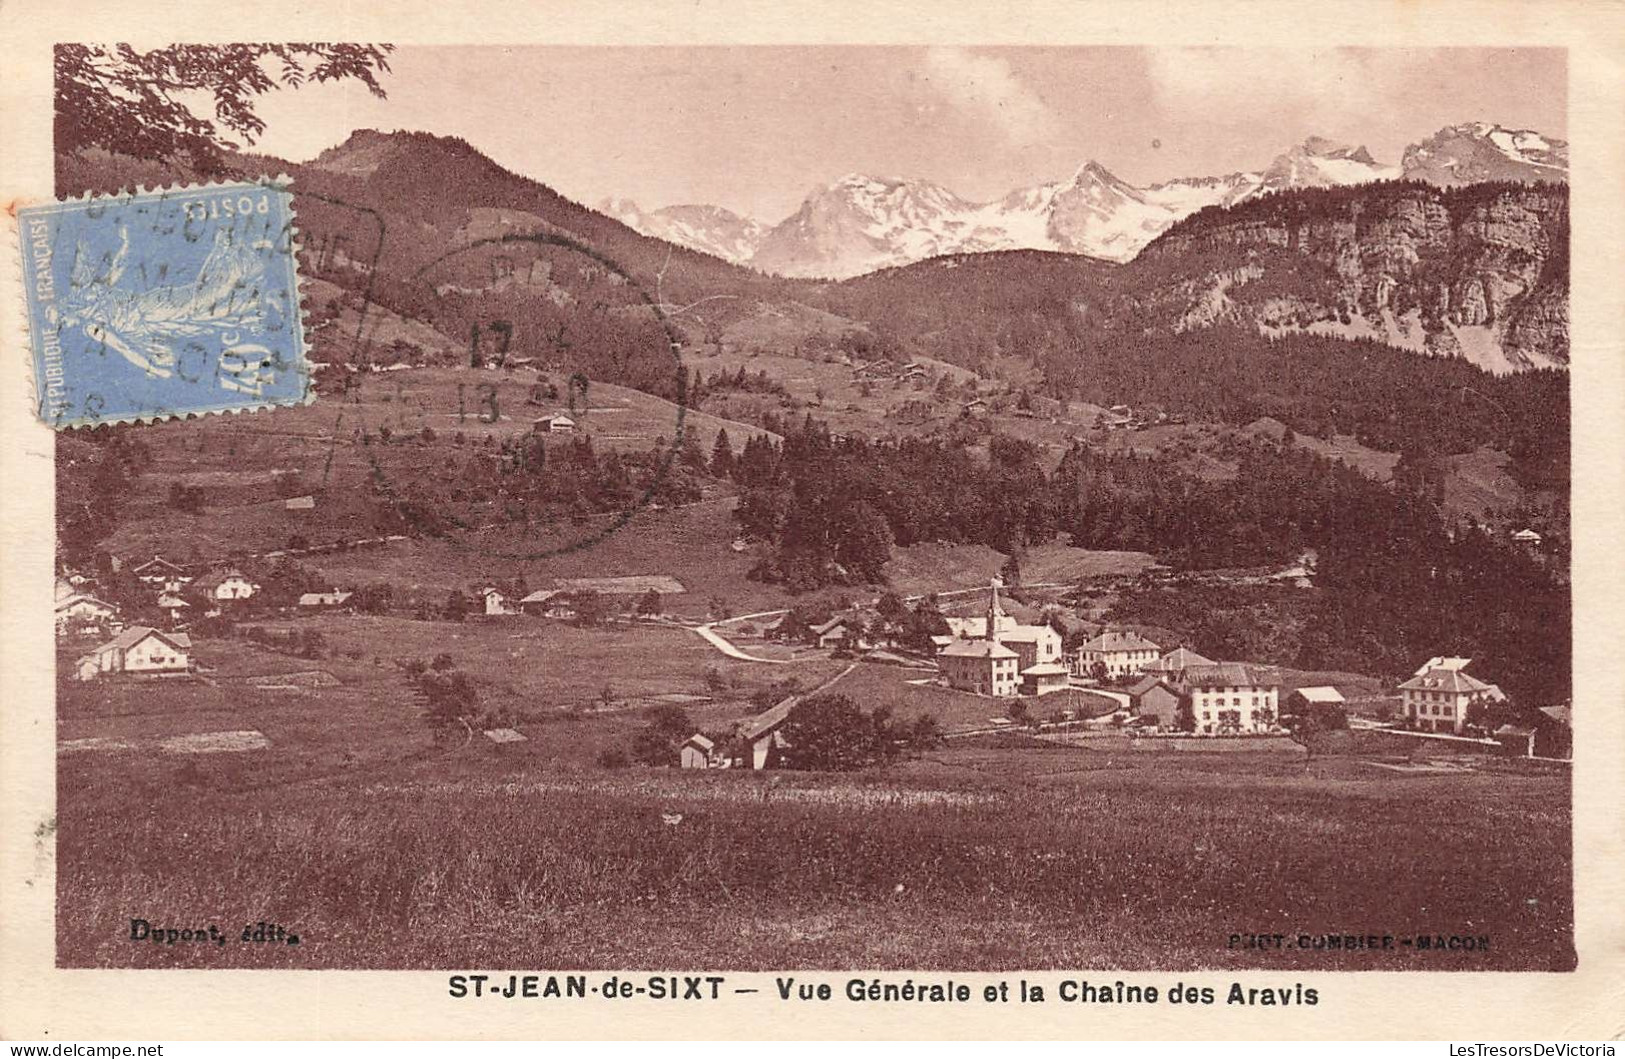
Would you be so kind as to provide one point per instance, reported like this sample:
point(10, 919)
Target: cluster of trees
point(531, 478)
point(824, 733)
point(739, 381)
point(831, 733)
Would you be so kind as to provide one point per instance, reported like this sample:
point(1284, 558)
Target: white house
point(1229, 697)
point(558, 423)
point(232, 585)
point(77, 610)
point(1038, 657)
point(985, 667)
point(496, 603)
point(139, 651)
point(1437, 698)
point(1122, 653)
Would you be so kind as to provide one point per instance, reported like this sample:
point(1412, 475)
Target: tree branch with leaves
point(142, 104)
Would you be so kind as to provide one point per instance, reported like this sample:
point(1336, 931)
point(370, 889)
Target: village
point(974, 661)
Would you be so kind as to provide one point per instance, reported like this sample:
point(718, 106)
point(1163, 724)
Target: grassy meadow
point(381, 849)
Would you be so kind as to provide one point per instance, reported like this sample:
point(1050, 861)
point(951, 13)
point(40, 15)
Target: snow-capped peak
point(1481, 150)
point(860, 222)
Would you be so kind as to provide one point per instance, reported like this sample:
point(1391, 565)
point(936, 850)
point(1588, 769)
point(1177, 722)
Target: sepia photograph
point(951, 508)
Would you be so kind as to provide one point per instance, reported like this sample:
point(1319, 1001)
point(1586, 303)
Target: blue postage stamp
point(155, 304)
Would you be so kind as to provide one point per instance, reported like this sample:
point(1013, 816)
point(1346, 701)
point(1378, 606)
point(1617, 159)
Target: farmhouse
point(831, 633)
point(1122, 653)
point(160, 571)
point(1155, 701)
point(762, 739)
point(77, 610)
point(558, 423)
point(1229, 697)
point(1437, 698)
point(547, 603)
point(138, 651)
point(324, 600)
point(1554, 733)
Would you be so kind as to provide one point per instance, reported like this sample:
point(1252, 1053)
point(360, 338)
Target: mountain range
point(862, 223)
point(430, 229)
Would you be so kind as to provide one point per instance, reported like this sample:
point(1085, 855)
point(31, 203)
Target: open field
point(319, 450)
point(981, 859)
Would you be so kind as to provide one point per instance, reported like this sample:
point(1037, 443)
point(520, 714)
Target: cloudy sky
point(755, 128)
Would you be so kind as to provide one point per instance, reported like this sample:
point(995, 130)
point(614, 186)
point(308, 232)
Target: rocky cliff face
point(1478, 272)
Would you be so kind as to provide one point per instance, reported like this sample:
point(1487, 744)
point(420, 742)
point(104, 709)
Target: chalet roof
point(1321, 693)
point(1229, 675)
point(79, 597)
point(1562, 714)
point(1517, 730)
point(1119, 641)
point(158, 562)
point(826, 626)
point(172, 601)
point(299, 503)
point(700, 741)
point(977, 649)
point(541, 595)
point(1180, 658)
point(1445, 679)
point(769, 720)
point(1526, 535)
point(136, 633)
point(1443, 662)
point(1143, 685)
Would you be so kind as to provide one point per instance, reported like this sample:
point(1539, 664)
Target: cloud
point(1233, 84)
point(985, 87)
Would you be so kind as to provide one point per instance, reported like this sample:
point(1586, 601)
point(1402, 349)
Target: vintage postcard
point(700, 522)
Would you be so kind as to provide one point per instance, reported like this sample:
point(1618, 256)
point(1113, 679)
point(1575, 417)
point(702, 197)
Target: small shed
point(697, 752)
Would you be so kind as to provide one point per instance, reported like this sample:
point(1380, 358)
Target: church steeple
point(994, 611)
